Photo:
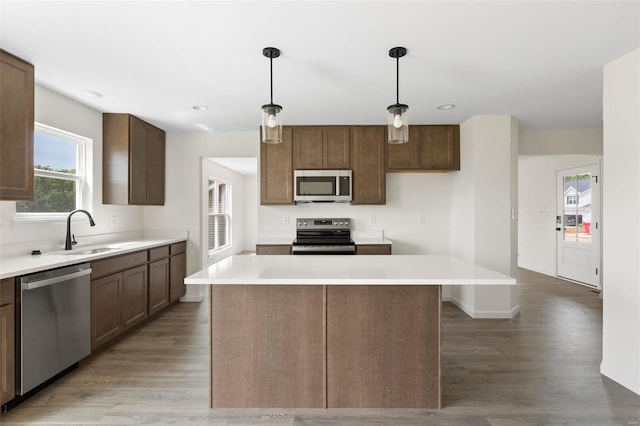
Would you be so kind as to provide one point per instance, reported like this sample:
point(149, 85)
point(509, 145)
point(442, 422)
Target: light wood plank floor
point(542, 368)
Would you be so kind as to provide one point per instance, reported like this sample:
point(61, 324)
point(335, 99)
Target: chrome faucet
point(68, 243)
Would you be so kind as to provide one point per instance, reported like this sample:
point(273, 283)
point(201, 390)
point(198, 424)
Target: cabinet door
point(156, 165)
point(134, 296)
point(106, 309)
point(276, 170)
point(368, 164)
point(138, 172)
point(272, 249)
point(158, 285)
point(178, 271)
point(7, 353)
point(307, 147)
point(16, 131)
point(440, 146)
point(405, 156)
point(336, 147)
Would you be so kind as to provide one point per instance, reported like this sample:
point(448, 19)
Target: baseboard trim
point(506, 314)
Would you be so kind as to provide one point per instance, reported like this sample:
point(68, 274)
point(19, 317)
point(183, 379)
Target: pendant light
point(271, 113)
point(397, 116)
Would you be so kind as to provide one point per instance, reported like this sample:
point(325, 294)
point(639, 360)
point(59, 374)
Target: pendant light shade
point(271, 113)
point(397, 114)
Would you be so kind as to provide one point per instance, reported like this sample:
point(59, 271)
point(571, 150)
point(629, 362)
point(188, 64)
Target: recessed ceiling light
point(91, 94)
point(445, 107)
point(200, 107)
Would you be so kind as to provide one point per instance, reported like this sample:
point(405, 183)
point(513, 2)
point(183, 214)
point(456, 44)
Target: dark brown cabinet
point(430, 148)
point(268, 249)
point(373, 249)
point(276, 170)
point(106, 309)
point(321, 147)
point(134, 296)
point(177, 271)
point(368, 164)
point(158, 285)
point(16, 131)
point(7, 340)
point(133, 164)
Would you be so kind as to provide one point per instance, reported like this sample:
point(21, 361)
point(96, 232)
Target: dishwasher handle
point(55, 280)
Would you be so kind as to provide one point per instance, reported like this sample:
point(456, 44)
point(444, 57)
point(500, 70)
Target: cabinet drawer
point(6, 291)
point(119, 263)
point(380, 249)
point(158, 253)
point(178, 248)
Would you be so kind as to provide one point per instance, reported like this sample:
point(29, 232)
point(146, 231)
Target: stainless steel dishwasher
point(55, 322)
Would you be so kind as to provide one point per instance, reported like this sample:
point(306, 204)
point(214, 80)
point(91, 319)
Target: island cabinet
point(158, 278)
point(262, 249)
point(177, 270)
point(373, 249)
point(133, 163)
point(7, 340)
point(276, 170)
point(430, 148)
point(16, 131)
point(321, 147)
point(368, 164)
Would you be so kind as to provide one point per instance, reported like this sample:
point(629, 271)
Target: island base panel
point(383, 347)
point(267, 346)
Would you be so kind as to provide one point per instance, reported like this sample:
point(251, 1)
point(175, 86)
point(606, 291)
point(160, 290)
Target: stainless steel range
point(323, 236)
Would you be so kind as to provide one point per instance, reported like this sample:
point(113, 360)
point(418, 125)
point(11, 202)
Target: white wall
point(560, 142)
point(250, 212)
point(621, 211)
point(537, 208)
point(66, 114)
point(485, 197)
point(184, 151)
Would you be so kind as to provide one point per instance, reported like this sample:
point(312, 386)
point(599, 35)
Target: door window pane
point(577, 208)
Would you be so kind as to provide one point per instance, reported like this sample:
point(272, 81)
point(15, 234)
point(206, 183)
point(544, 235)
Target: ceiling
point(538, 61)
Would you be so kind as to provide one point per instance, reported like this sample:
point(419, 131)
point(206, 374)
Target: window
point(59, 169)
point(572, 199)
point(219, 215)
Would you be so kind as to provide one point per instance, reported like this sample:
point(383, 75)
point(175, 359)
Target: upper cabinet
point(276, 170)
point(133, 164)
point(321, 147)
point(16, 129)
point(367, 163)
point(430, 148)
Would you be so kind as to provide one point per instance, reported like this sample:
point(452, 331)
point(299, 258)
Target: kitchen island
point(330, 331)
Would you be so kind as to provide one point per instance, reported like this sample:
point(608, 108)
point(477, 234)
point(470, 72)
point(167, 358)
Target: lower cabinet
point(134, 296)
point(106, 309)
point(177, 272)
point(158, 285)
point(373, 249)
point(272, 249)
point(127, 289)
point(7, 340)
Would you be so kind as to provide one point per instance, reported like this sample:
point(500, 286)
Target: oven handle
point(55, 280)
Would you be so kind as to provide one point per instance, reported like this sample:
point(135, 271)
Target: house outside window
point(572, 200)
point(60, 183)
point(219, 214)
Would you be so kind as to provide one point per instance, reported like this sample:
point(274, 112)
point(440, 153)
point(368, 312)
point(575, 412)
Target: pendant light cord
point(398, 80)
point(271, 77)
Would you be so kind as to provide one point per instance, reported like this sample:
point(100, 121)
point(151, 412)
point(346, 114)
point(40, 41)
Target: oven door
point(322, 250)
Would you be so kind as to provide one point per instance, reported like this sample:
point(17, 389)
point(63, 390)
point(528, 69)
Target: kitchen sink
point(89, 251)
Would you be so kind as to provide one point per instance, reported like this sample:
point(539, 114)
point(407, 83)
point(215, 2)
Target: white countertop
point(26, 264)
point(348, 270)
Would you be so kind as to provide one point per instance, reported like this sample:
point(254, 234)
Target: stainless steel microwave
point(322, 186)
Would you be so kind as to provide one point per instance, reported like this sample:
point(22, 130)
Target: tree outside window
point(219, 215)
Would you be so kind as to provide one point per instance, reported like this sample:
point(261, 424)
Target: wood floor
point(542, 368)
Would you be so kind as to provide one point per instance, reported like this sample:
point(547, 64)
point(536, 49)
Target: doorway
point(578, 224)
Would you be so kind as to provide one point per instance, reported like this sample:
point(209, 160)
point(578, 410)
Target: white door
point(578, 224)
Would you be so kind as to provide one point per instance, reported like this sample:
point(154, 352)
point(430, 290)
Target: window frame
point(81, 178)
point(213, 182)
